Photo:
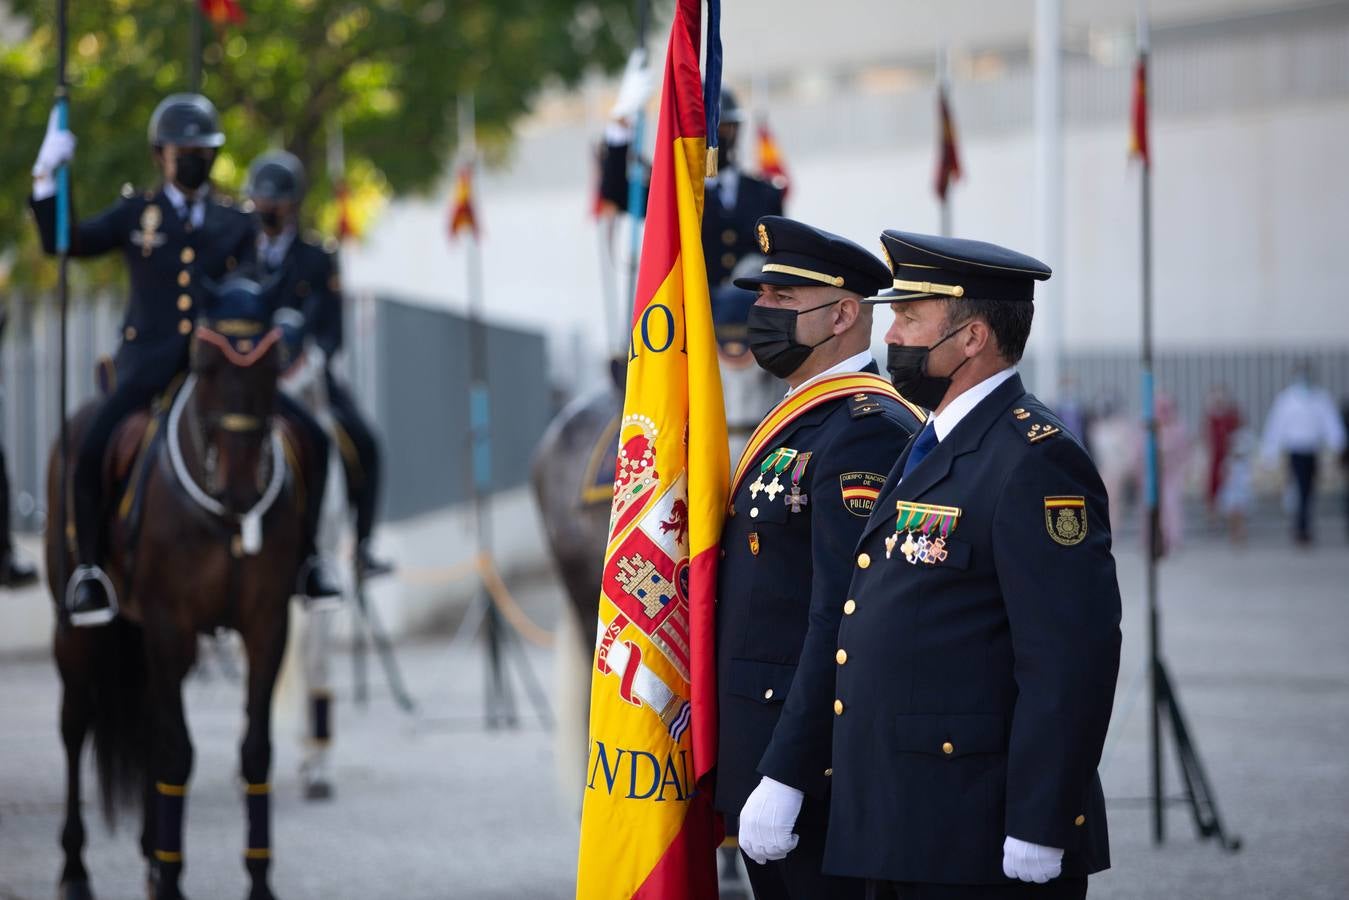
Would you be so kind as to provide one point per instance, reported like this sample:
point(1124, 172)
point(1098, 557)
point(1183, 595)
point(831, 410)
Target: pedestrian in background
point(1221, 421)
point(1301, 424)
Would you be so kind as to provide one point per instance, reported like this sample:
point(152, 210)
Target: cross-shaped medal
point(774, 488)
point(797, 500)
point(756, 487)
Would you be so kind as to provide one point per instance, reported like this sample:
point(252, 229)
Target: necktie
point(927, 439)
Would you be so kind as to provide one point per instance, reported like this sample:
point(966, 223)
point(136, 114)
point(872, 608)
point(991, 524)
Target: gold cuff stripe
point(257, 790)
point(258, 853)
point(168, 856)
point(171, 790)
point(927, 287)
point(834, 280)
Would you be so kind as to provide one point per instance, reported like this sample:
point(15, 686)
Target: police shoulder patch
point(860, 490)
point(1066, 519)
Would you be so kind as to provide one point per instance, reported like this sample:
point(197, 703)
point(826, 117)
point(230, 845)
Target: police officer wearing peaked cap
point(976, 659)
point(309, 283)
point(802, 493)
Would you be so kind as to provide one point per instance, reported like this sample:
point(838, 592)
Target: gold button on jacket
point(850, 607)
point(185, 326)
point(841, 656)
point(838, 707)
point(863, 560)
point(948, 748)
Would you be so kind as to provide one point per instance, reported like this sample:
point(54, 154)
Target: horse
point(208, 535)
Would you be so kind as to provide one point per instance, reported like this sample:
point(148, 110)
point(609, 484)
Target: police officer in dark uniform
point(976, 661)
point(802, 493)
point(173, 239)
point(733, 201)
point(309, 282)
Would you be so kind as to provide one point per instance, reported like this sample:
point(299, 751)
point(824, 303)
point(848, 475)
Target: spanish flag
point(463, 217)
point(346, 223)
point(647, 826)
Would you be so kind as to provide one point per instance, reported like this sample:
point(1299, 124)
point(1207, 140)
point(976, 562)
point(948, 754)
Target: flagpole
point(63, 228)
point(636, 182)
point(1048, 115)
point(1153, 460)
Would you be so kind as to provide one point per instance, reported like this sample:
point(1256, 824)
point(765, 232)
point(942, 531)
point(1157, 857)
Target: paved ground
point(437, 806)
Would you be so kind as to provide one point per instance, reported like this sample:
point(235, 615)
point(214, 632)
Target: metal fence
point(408, 365)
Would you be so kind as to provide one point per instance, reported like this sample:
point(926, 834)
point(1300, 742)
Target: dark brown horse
point(217, 546)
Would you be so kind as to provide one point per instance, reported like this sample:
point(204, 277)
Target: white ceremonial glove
point(1030, 862)
point(58, 148)
point(635, 89)
point(767, 819)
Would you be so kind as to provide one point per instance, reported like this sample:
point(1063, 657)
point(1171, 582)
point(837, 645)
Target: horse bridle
point(247, 354)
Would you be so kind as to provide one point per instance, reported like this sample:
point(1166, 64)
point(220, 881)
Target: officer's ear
point(848, 311)
point(979, 338)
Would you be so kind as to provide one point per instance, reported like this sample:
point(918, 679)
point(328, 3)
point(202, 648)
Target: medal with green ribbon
point(925, 527)
point(776, 463)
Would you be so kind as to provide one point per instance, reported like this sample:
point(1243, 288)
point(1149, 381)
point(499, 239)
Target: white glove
point(767, 819)
point(635, 89)
point(1030, 862)
point(58, 148)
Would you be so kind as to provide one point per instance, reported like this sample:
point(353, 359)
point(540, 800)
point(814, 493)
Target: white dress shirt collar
point(946, 421)
point(273, 250)
point(855, 363)
point(180, 202)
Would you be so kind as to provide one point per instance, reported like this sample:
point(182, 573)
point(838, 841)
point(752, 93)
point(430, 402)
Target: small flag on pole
point(223, 12)
point(346, 223)
point(1138, 139)
point(463, 216)
point(948, 154)
point(771, 166)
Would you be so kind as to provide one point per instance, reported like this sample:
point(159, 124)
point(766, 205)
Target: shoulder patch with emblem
point(1034, 431)
point(860, 490)
point(1066, 519)
point(862, 404)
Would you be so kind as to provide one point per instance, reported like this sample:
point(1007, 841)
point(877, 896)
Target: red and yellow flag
point(771, 166)
point(647, 826)
point(948, 154)
point(223, 12)
point(346, 223)
point(463, 216)
point(1138, 139)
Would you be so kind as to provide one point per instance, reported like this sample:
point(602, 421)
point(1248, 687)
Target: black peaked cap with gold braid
point(802, 255)
point(927, 266)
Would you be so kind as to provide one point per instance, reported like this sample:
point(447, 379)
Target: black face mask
point(772, 338)
point(190, 171)
point(270, 220)
point(908, 373)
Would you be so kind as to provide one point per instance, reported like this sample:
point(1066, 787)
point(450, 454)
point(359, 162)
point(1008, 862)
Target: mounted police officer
point(172, 238)
point(801, 494)
point(309, 283)
point(733, 201)
point(976, 661)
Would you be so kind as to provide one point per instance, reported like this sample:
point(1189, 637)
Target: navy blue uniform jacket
point(972, 696)
point(165, 262)
point(309, 283)
point(768, 601)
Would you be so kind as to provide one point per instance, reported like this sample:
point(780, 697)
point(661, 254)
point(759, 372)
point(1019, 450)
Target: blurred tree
point(389, 70)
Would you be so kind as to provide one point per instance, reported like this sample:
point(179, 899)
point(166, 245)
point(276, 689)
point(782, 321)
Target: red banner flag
point(223, 12)
point(771, 166)
point(346, 225)
point(648, 830)
point(948, 155)
point(1138, 140)
point(463, 216)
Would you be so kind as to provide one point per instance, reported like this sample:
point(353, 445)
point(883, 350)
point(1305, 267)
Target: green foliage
point(389, 70)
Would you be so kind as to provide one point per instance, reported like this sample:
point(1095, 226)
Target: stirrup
point(101, 616)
